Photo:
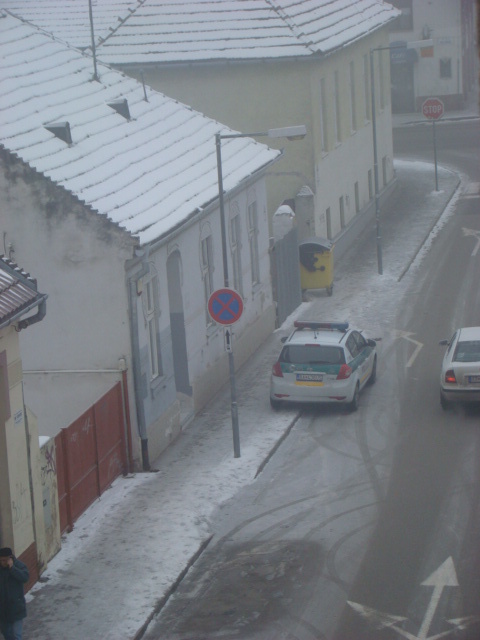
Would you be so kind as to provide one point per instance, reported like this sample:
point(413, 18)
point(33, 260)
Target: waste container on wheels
point(316, 264)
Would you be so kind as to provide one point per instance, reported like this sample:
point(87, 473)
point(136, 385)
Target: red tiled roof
point(18, 292)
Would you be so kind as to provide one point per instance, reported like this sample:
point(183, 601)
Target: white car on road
point(460, 375)
point(323, 362)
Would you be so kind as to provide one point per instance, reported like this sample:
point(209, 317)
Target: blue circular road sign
point(225, 306)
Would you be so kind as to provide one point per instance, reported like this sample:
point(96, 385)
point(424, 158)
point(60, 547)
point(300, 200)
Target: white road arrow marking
point(475, 234)
point(406, 335)
point(444, 576)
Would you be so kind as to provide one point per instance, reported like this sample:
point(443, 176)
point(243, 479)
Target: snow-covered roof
point(147, 174)
point(167, 31)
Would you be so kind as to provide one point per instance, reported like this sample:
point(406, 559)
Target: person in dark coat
point(13, 609)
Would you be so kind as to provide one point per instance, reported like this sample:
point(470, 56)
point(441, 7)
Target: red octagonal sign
point(432, 108)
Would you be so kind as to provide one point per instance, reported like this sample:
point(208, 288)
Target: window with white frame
point(236, 247)
point(353, 105)
point(336, 112)
point(366, 86)
point(253, 241)
point(381, 73)
point(323, 116)
point(150, 301)
point(341, 206)
point(206, 267)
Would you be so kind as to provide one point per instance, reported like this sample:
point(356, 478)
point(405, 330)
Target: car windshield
point(312, 354)
point(468, 351)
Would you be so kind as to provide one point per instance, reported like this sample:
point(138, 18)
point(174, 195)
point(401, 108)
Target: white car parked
point(323, 362)
point(460, 375)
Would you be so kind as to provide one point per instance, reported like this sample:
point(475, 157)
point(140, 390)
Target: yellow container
point(316, 264)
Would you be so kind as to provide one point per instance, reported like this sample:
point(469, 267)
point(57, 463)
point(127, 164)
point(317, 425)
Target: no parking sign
point(225, 306)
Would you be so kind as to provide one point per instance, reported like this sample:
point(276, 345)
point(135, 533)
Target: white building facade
point(446, 66)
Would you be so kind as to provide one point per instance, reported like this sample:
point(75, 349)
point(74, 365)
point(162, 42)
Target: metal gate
point(90, 454)
point(285, 267)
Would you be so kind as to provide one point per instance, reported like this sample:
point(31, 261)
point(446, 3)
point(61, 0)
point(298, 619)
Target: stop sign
point(432, 108)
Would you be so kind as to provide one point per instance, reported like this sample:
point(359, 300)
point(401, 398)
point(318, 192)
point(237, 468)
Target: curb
point(412, 260)
point(164, 599)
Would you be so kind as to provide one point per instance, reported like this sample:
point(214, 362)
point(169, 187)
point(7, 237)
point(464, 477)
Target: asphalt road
point(365, 526)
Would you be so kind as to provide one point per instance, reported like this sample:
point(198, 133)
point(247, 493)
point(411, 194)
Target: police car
point(323, 362)
point(460, 374)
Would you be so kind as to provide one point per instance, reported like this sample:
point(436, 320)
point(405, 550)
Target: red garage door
point(91, 453)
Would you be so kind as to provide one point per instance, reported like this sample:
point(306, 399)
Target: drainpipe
point(137, 370)
point(38, 317)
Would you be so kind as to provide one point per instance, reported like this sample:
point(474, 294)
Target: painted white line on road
point(475, 233)
point(418, 345)
point(444, 576)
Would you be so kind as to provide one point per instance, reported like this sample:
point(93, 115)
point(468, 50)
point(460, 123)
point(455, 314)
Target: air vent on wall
point(61, 130)
point(121, 107)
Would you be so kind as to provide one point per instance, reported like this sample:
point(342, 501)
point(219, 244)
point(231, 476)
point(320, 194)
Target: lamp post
point(290, 133)
point(409, 45)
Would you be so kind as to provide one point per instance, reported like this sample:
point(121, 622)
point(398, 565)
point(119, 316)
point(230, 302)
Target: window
point(370, 185)
point(323, 120)
point(151, 312)
point(329, 223)
point(381, 73)
point(312, 354)
point(352, 346)
point(467, 351)
point(353, 106)
point(342, 211)
point(445, 67)
point(360, 340)
point(253, 241)
point(236, 248)
point(384, 170)
point(336, 98)
point(367, 89)
point(405, 21)
point(207, 272)
point(357, 198)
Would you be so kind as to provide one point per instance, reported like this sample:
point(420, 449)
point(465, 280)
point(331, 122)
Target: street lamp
point(409, 45)
point(290, 133)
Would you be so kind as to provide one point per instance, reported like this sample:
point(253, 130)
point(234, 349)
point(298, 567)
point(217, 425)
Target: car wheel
point(373, 375)
point(353, 405)
point(275, 404)
point(444, 402)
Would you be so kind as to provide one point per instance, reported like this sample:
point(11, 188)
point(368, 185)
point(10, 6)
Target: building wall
point(207, 358)
point(48, 487)
point(16, 518)
point(256, 96)
point(79, 257)
point(344, 160)
point(444, 70)
point(249, 97)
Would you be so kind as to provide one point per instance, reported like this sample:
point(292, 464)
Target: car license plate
point(474, 379)
point(309, 379)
